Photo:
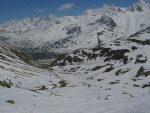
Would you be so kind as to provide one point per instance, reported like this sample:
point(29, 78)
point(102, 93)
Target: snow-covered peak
point(108, 21)
point(69, 33)
point(145, 4)
point(144, 1)
point(141, 5)
point(106, 9)
point(29, 23)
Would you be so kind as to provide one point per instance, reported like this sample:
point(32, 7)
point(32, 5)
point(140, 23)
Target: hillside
point(75, 87)
point(101, 62)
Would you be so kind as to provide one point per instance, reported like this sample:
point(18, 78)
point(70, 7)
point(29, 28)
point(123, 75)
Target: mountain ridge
point(47, 34)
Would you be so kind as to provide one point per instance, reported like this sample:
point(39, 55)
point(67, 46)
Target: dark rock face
point(109, 69)
point(99, 67)
point(75, 29)
point(145, 42)
point(63, 83)
point(115, 82)
point(74, 69)
point(120, 72)
point(134, 48)
point(139, 8)
point(136, 8)
point(105, 20)
point(140, 59)
point(146, 85)
point(10, 101)
point(5, 84)
point(142, 72)
point(132, 9)
point(108, 21)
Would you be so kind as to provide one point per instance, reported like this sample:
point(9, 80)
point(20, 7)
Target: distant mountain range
point(63, 34)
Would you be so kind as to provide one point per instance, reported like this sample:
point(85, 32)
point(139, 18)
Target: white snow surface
point(44, 33)
point(91, 87)
point(86, 91)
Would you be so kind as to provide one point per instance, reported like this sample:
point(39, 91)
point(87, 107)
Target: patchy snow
point(88, 89)
point(111, 78)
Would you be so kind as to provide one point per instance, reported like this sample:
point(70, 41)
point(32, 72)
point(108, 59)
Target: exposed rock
point(142, 42)
point(120, 71)
point(5, 84)
point(109, 69)
point(10, 101)
point(99, 67)
point(146, 85)
point(105, 20)
point(142, 72)
point(140, 59)
point(63, 83)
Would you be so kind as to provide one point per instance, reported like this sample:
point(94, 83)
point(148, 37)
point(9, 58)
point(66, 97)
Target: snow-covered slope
point(89, 85)
point(102, 79)
point(105, 71)
point(121, 65)
point(15, 67)
point(68, 33)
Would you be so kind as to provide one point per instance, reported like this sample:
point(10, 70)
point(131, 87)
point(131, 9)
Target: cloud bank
point(66, 6)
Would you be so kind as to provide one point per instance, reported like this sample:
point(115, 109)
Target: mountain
point(122, 61)
point(102, 67)
point(16, 65)
point(107, 79)
point(48, 34)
